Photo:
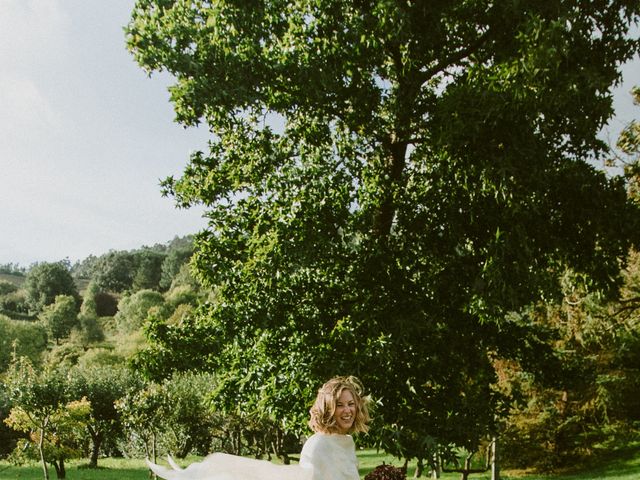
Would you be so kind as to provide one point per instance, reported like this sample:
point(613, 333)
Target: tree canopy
point(45, 281)
point(386, 182)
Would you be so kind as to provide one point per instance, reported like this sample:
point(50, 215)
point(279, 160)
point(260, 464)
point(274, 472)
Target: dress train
point(222, 466)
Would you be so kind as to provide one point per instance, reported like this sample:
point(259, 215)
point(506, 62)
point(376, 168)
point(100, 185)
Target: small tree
point(42, 409)
point(143, 413)
point(102, 387)
point(60, 317)
point(188, 420)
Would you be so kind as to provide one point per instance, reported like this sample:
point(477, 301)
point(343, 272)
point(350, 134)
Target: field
point(626, 466)
point(17, 280)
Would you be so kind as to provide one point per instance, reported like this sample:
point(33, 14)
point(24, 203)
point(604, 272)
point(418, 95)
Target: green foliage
point(629, 140)
point(134, 309)
point(19, 338)
point(142, 415)
point(177, 257)
point(173, 416)
point(188, 422)
point(45, 281)
point(12, 269)
point(106, 304)
point(89, 305)
point(85, 268)
point(66, 354)
point(41, 406)
point(102, 386)
point(60, 317)
point(594, 407)
point(629, 145)
point(114, 271)
point(7, 287)
point(101, 356)
point(90, 328)
point(148, 270)
point(8, 437)
point(432, 174)
point(15, 304)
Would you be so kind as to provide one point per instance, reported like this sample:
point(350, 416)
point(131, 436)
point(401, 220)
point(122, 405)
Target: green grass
point(624, 466)
point(110, 469)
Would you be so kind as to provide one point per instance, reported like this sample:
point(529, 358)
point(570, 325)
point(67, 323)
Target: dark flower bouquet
point(387, 472)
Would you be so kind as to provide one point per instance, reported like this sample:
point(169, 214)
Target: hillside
point(13, 278)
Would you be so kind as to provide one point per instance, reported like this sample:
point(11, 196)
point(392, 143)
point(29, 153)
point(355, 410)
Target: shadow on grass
point(622, 464)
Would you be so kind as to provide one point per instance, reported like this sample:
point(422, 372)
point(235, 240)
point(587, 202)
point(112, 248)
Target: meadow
point(623, 466)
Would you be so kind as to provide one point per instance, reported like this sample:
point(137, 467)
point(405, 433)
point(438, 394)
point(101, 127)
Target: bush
point(7, 287)
point(14, 302)
point(134, 309)
point(106, 304)
point(24, 338)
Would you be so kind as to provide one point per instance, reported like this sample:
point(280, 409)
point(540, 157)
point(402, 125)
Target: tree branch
point(454, 57)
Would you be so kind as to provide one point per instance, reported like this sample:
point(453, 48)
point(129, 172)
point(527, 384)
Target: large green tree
point(114, 271)
point(387, 180)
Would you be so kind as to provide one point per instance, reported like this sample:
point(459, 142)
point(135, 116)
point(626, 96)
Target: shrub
point(7, 287)
point(24, 338)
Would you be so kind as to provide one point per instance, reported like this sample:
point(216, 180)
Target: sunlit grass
point(624, 466)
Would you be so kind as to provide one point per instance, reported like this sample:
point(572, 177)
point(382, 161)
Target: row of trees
point(88, 412)
point(66, 386)
point(113, 273)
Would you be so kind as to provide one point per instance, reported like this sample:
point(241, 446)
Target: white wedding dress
point(323, 457)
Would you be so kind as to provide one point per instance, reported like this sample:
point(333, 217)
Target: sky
point(86, 136)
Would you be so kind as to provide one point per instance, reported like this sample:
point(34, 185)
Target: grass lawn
point(625, 466)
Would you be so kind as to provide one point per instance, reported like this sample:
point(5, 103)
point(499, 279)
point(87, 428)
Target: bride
point(329, 454)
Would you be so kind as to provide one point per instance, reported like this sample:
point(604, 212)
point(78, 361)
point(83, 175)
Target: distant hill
point(13, 278)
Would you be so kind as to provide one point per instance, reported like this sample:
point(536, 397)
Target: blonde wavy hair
point(324, 407)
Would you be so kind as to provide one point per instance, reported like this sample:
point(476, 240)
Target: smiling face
point(345, 413)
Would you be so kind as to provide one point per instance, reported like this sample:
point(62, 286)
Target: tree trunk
point(419, 469)
point(435, 472)
point(467, 468)
point(41, 451)
point(96, 441)
point(61, 471)
point(495, 467)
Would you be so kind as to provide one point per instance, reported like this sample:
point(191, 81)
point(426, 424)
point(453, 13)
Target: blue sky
point(85, 135)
